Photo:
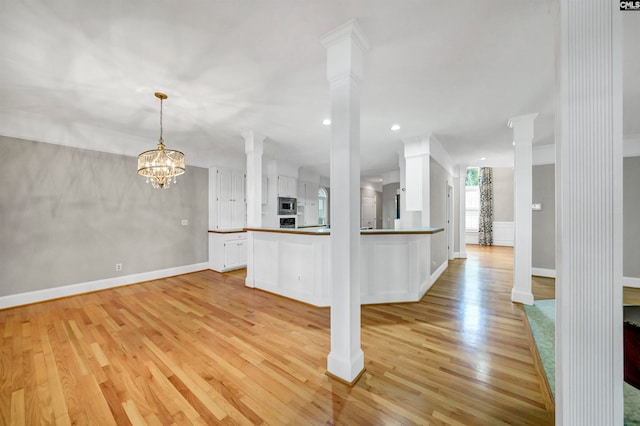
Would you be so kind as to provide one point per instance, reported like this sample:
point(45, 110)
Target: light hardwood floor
point(201, 348)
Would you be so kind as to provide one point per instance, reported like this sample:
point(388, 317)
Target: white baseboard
point(503, 233)
point(521, 297)
point(460, 255)
point(471, 238)
point(74, 289)
point(542, 272)
point(436, 274)
point(425, 286)
point(631, 282)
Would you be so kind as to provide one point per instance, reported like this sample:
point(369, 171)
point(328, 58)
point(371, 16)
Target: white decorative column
point(462, 221)
point(345, 48)
point(417, 180)
point(401, 223)
point(253, 147)
point(589, 344)
point(522, 138)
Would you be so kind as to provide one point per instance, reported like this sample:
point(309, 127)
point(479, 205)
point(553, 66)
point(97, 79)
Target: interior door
point(368, 212)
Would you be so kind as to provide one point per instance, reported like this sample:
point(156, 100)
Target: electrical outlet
point(185, 222)
point(298, 277)
point(118, 267)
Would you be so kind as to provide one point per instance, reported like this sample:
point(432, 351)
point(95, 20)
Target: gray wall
point(389, 204)
point(631, 212)
point(543, 222)
point(438, 213)
point(69, 215)
point(503, 194)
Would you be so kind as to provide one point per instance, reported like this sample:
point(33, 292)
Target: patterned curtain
point(485, 182)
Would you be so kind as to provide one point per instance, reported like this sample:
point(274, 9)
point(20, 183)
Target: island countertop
point(327, 231)
point(395, 264)
point(226, 231)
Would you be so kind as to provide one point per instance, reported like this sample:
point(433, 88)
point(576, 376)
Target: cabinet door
point(224, 199)
point(293, 187)
point(242, 252)
point(283, 186)
point(238, 214)
point(265, 190)
point(287, 186)
point(311, 211)
point(237, 187)
point(238, 204)
point(301, 194)
point(224, 184)
point(231, 254)
point(235, 253)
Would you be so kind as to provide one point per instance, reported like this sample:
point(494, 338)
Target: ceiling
point(83, 73)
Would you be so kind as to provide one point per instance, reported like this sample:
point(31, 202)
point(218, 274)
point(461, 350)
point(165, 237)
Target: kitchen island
point(395, 265)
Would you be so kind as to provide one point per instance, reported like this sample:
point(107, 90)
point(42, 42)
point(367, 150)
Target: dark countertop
point(327, 231)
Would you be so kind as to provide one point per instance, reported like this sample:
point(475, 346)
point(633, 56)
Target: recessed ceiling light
point(380, 180)
point(326, 122)
point(483, 158)
point(395, 127)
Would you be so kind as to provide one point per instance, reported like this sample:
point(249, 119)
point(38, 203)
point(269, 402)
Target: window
point(472, 200)
point(322, 206)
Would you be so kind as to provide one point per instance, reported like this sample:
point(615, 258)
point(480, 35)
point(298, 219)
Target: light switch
point(536, 206)
point(185, 222)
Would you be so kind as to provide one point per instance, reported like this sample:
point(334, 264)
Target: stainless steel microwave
point(287, 206)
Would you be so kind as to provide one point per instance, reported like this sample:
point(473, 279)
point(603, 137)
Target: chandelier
point(161, 165)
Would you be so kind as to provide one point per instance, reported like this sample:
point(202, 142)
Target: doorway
point(368, 212)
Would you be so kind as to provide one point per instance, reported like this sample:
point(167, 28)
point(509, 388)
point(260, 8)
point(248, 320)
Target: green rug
point(542, 319)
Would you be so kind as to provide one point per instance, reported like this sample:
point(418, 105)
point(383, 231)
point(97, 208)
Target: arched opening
point(323, 206)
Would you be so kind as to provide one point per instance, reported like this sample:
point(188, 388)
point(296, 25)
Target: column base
point(341, 380)
point(346, 372)
point(521, 297)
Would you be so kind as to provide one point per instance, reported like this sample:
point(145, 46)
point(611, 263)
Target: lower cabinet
point(227, 250)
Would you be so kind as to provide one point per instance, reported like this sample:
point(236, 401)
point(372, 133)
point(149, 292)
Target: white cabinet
point(311, 210)
point(265, 190)
point(308, 199)
point(227, 250)
point(232, 205)
point(287, 186)
point(302, 196)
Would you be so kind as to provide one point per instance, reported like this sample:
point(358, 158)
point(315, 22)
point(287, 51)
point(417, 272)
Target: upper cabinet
point(231, 200)
point(265, 190)
point(308, 199)
point(287, 186)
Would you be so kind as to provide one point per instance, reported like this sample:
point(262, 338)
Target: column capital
point(345, 48)
point(253, 141)
point(462, 171)
point(522, 126)
point(349, 30)
point(416, 147)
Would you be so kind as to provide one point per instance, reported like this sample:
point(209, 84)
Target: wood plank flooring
point(203, 349)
